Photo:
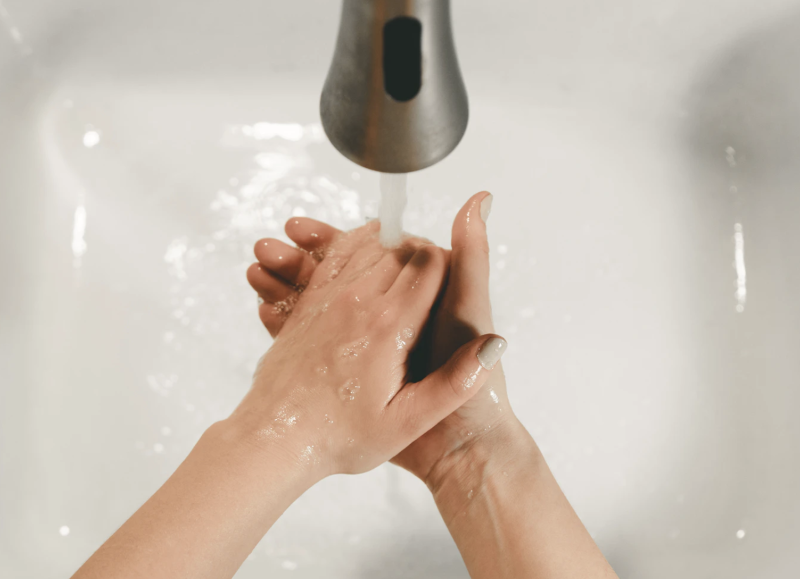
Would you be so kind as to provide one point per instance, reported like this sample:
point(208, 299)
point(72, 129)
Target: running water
point(393, 204)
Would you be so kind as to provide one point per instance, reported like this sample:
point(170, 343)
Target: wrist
point(497, 456)
point(265, 455)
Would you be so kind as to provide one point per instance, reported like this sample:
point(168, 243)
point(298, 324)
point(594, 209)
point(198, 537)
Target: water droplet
point(63, 531)
point(740, 534)
point(470, 380)
point(353, 349)
point(403, 337)
point(348, 390)
point(285, 418)
point(309, 455)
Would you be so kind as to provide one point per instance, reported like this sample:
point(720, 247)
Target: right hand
point(335, 386)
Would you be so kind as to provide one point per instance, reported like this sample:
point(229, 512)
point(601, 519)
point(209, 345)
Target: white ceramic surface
point(644, 160)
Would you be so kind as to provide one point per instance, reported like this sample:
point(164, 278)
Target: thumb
point(467, 294)
point(424, 404)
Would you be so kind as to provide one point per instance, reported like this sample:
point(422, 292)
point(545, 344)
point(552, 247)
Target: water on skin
point(393, 204)
point(348, 390)
point(352, 350)
point(404, 337)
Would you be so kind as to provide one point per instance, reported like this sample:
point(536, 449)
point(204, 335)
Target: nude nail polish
point(491, 352)
point(486, 207)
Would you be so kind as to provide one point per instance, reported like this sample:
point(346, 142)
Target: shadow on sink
point(738, 515)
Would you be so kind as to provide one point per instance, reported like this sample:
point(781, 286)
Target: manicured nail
point(486, 207)
point(491, 352)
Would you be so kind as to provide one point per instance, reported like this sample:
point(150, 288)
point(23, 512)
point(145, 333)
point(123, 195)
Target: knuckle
point(350, 295)
point(460, 381)
point(439, 257)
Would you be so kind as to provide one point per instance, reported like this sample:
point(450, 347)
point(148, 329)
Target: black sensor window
point(402, 58)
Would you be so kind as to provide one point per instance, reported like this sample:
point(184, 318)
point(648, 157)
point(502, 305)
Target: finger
point(272, 317)
point(339, 254)
point(269, 288)
point(363, 260)
point(420, 282)
point(385, 272)
point(467, 295)
point(311, 235)
point(420, 406)
point(292, 265)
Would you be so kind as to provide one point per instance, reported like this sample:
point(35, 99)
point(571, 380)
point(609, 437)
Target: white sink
point(643, 157)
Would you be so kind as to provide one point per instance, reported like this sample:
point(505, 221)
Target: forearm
point(207, 518)
point(508, 515)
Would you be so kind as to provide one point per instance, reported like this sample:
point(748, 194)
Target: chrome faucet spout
point(394, 100)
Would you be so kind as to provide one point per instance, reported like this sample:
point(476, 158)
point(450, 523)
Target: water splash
point(278, 179)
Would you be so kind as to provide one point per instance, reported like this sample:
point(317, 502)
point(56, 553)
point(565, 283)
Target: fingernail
point(491, 352)
point(486, 207)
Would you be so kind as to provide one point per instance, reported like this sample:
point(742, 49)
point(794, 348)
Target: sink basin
point(644, 255)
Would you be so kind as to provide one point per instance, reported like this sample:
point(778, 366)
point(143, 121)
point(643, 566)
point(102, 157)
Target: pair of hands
point(379, 353)
point(385, 354)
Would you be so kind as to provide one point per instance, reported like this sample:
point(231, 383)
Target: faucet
point(394, 100)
